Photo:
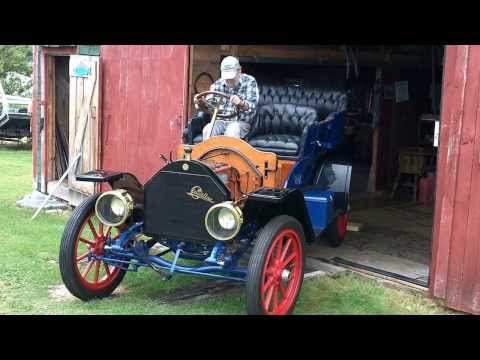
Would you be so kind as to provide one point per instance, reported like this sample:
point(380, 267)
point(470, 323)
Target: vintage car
point(234, 209)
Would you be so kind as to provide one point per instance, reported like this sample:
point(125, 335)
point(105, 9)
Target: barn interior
point(59, 140)
point(394, 95)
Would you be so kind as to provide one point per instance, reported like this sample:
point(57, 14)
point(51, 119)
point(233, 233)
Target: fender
point(265, 204)
point(335, 177)
point(116, 180)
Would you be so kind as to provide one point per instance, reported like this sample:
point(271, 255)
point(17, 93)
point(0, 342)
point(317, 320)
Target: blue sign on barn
point(82, 70)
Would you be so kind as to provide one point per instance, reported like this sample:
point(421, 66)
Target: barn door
point(143, 106)
point(455, 267)
point(84, 126)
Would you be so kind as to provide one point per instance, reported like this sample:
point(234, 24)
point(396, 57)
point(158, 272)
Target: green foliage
point(16, 59)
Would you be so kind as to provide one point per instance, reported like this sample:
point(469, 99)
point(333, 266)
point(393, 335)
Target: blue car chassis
point(137, 256)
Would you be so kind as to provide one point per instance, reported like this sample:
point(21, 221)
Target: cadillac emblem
point(197, 194)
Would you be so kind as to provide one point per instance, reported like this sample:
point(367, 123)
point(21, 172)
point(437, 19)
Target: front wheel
point(276, 268)
point(84, 236)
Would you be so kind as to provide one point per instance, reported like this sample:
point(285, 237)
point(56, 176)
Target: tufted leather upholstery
point(281, 128)
point(279, 133)
point(324, 101)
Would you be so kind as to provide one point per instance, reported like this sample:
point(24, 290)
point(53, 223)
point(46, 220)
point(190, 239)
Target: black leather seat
point(326, 101)
point(281, 128)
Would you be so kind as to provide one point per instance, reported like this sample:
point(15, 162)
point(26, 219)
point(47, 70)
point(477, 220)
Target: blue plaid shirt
point(246, 89)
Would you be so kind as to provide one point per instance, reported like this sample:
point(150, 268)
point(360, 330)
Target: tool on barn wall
point(376, 112)
point(354, 57)
point(350, 57)
point(78, 145)
point(61, 151)
point(347, 61)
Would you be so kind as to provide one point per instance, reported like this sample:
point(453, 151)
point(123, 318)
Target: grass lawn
point(29, 272)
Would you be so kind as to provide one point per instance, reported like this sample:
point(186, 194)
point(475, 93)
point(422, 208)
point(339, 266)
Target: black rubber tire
point(257, 260)
point(332, 235)
point(67, 255)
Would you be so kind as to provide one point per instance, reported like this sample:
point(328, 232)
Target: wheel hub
point(286, 275)
point(97, 249)
point(280, 274)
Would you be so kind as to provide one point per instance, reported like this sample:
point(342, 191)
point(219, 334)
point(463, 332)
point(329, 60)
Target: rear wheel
point(335, 232)
point(84, 236)
point(276, 268)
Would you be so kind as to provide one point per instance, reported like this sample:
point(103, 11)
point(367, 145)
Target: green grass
point(29, 268)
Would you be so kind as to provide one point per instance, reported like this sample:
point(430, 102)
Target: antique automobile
point(234, 209)
point(15, 116)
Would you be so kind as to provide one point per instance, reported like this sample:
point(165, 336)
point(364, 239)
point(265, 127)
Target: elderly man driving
point(243, 91)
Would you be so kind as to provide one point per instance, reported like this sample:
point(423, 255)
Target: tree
point(15, 65)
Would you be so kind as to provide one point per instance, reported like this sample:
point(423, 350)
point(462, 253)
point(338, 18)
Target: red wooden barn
point(124, 106)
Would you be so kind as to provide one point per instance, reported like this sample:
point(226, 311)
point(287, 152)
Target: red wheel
point(84, 236)
point(336, 231)
point(94, 274)
point(275, 271)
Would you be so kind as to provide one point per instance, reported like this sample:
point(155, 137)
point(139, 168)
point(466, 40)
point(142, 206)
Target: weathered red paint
point(455, 266)
point(143, 106)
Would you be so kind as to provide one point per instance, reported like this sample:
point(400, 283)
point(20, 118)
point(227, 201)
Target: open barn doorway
point(389, 137)
point(391, 141)
point(59, 88)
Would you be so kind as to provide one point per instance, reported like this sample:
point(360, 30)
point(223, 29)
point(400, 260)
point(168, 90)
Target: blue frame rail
point(137, 256)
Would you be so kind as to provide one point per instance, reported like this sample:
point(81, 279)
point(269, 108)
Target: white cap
point(229, 67)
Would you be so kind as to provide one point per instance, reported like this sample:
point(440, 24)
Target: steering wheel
point(213, 103)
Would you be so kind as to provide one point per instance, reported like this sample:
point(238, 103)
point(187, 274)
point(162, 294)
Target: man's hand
point(235, 100)
point(195, 103)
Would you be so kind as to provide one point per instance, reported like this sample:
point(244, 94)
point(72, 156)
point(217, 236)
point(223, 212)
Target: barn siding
point(455, 258)
point(143, 106)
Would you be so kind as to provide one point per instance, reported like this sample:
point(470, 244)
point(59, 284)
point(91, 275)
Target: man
point(244, 95)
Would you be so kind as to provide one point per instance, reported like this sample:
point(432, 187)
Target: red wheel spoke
point(97, 271)
point(269, 271)
point(107, 270)
point(269, 298)
point(86, 241)
point(285, 249)
point(275, 298)
point(268, 283)
point(283, 291)
point(277, 250)
point(270, 263)
point(92, 228)
point(83, 256)
point(87, 269)
point(288, 260)
point(274, 252)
